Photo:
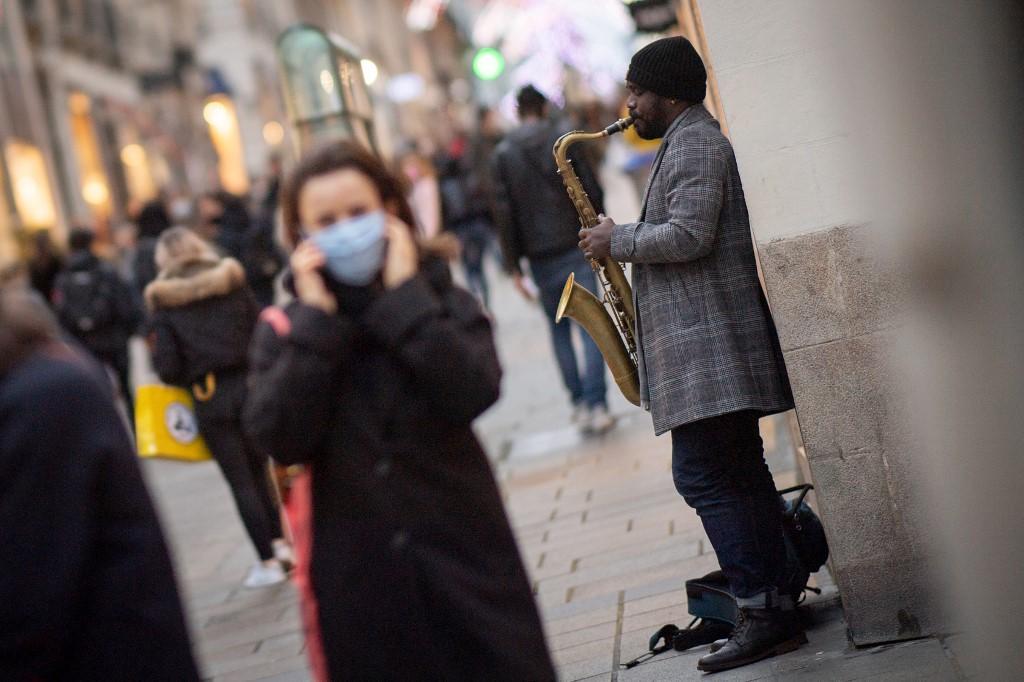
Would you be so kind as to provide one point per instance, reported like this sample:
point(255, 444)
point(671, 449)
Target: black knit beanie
point(670, 67)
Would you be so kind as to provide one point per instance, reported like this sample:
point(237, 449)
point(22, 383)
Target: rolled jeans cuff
point(769, 599)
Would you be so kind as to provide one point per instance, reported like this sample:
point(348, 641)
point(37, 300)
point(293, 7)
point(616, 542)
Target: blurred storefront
point(27, 180)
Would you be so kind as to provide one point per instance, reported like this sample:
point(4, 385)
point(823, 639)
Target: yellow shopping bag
point(165, 424)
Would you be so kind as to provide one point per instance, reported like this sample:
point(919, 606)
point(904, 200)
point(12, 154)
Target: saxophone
point(613, 329)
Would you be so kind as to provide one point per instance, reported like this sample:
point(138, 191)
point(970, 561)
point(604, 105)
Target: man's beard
point(648, 130)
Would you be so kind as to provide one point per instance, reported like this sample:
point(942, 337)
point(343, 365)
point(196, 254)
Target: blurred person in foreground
point(373, 377)
point(98, 309)
point(537, 222)
point(202, 320)
point(88, 589)
point(710, 361)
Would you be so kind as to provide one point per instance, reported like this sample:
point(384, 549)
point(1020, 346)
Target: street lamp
point(325, 87)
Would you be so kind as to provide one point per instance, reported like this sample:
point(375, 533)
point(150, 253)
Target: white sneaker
point(600, 421)
point(284, 554)
point(264, 574)
point(581, 416)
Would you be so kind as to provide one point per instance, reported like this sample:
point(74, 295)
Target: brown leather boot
point(759, 634)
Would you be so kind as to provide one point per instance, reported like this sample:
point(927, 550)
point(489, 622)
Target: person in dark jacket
point(465, 212)
point(374, 383)
point(538, 223)
point(202, 320)
point(224, 220)
point(88, 588)
point(45, 264)
point(98, 309)
point(152, 221)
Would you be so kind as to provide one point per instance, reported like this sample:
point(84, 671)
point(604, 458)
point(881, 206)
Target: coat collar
point(691, 115)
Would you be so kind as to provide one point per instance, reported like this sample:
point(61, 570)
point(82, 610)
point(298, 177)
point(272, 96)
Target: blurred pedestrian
point(424, 195)
point(262, 258)
point(465, 213)
point(373, 376)
point(202, 321)
point(44, 264)
point(88, 589)
point(98, 309)
point(538, 223)
point(224, 221)
point(488, 136)
point(152, 221)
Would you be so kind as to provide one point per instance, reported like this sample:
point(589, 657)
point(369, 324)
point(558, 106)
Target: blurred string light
point(540, 39)
point(422, 15)
point(370, 71)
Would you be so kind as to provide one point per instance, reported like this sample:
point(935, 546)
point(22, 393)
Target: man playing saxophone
point(709, 358)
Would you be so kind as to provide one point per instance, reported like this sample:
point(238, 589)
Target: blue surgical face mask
point(354, 248)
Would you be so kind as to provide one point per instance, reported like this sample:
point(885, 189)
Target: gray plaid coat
point(707, 342)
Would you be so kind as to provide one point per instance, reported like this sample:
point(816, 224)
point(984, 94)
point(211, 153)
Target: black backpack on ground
point(713, 606)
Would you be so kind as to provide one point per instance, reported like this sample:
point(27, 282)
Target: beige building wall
point(781, 81)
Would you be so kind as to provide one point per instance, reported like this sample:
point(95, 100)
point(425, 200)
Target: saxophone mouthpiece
point(619, 126)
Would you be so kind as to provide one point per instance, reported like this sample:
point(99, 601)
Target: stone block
point(856, 509)
point(828, 285)
point(889, 598)
point(845, 398)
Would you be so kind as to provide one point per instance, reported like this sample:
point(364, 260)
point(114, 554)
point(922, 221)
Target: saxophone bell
point(578, 304)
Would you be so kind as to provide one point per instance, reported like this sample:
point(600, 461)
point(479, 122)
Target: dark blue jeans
point(550, 275)
point(718, 467)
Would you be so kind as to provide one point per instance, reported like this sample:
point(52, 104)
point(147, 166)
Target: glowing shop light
point(273, 133)
point(370, 71)
point(327, 81)
point(217, 115)
point(95, 191)
point(133, 155)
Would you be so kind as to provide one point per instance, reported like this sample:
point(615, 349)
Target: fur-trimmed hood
point(197, 279)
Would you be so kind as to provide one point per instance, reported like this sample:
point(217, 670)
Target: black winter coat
point(202, 322)
point(87, 589)
point(414, 566)
point(535, 217)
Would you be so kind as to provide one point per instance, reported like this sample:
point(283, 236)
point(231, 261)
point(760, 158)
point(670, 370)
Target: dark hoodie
point(535, 217)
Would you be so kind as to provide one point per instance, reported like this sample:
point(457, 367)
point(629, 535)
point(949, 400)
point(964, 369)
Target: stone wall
point(836, 305)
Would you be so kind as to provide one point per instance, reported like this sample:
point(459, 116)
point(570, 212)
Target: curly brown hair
point(332, 157)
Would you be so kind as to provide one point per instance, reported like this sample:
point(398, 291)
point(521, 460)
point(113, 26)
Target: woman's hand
point(402, 259)
point(306, 262)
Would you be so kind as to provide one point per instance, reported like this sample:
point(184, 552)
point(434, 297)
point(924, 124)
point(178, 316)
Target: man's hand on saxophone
point(596, 241)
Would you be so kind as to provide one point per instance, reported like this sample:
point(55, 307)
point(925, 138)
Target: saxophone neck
point(619, 126)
